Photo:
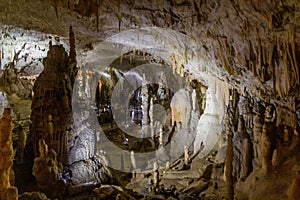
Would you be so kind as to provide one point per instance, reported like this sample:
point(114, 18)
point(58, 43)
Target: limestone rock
point(293, 191)
point(33, 196)
point(109, 191)
point(178, 144)
point(53, 93)
point(45, 170)
point(87, 171)
point(181, 108)
point(208, 128)
point(195, 188)
point(242, 152)
point(6, 153)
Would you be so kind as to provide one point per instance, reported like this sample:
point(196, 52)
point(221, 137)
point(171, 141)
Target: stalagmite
point(229, 130)
point(228, 171)
point(21, 144)
point(167, 165)
point(155, 176)
point(161, 142)
point(186, 155)
point(51, 129)
point(293, 191)
point(12, 193)
point(257, 131)
point(133, 162)
point(43, 148)
point(151, 119)
point(6, 153)
point(267, 130)
point(194, 99)
point(145, 107)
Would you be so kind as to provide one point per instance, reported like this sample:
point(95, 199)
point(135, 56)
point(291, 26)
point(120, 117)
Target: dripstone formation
point(57, 142)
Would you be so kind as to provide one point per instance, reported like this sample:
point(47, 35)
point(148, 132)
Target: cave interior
point(125, 99)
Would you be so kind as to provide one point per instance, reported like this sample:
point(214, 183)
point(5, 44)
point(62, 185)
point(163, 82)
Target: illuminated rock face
point(181, 108)
point(209, 127)
point(52, 113)
point(59, 127)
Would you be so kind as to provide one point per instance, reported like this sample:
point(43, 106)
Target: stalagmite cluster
point(46, 169)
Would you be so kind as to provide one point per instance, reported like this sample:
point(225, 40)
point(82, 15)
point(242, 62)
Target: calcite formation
point(55, 135)
point(45, 168)
point(252, 47)
point(53, 87)
point(181, 108)
point(6, 155)
point(242, 152)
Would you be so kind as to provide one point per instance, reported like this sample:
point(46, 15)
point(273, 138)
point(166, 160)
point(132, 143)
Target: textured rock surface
point(91, 170)
point(181, 109)
point(6, 154)
point(241, 37)
point(33, 196)
point(208, 127)
point(52, 97)
point(251, 46)
point(242, 152)
point(46, 170)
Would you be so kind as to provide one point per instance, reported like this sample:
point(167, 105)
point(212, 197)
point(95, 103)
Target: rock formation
point(266, 140)
point(46, 170)
point(53, 93)
point(251, 47)
point(242, 165)
point(208, 127)
point(181, 108)
point(54, 126)
point(6, 155)
point(257, 131)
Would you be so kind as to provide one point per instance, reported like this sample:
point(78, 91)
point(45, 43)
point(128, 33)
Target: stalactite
point(97, 15)
point(56, 8)
point(259, 61)
point(295, 61)
point(224, 59)
point(286, 71)
point(72, 45)
point(292, 73)
point(277, 75)
point(271, 64)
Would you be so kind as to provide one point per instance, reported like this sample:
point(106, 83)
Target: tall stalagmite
point(6, 155)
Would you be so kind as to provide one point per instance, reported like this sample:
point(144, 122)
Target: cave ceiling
point(253, 46)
